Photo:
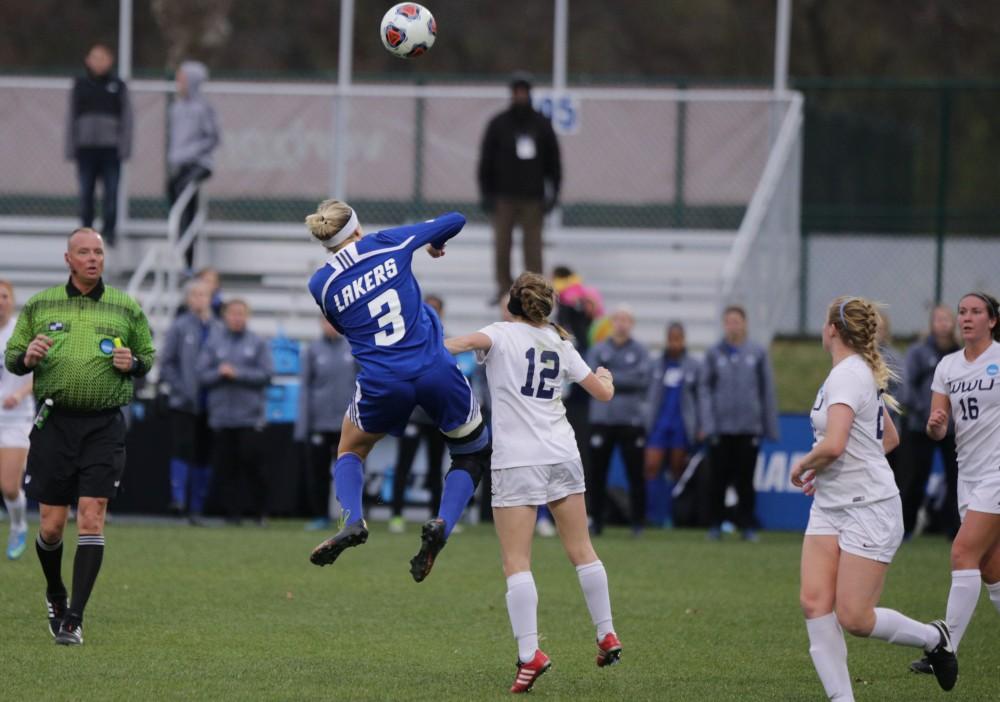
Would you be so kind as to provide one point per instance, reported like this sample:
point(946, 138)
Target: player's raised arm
point(435, 232)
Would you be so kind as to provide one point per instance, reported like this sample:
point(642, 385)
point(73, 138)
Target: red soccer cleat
point(609, 650)
point(528, 673)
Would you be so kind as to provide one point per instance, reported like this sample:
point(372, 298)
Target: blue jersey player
point(366, 290)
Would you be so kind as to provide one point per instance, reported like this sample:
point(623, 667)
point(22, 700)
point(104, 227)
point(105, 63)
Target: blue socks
point(178, 481)
point(458, 489)
point(201, 481)
point(349, 482)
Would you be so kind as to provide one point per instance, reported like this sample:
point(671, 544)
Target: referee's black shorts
point(76, 454)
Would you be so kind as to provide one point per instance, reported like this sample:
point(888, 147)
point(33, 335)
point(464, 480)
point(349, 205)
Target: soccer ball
point(408, 30)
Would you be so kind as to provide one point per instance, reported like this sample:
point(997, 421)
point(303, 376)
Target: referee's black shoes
point(56, 605)
point(432, 540)
point(70, 633)
point(942, 658)
point(353, 534)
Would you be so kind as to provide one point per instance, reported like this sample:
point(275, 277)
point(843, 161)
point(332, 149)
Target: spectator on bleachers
point(420, 428)
point(191, 437)
point(520, 173)
point(921, 360)
point(737, 407)
point(620, 422)
point(210, 276)
point(235, 366)
point(99, 136)
point(672, 406)
point(326, 388)
point(192, 136)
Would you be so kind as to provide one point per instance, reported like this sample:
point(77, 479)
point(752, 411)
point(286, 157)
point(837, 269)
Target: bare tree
point(192, 28)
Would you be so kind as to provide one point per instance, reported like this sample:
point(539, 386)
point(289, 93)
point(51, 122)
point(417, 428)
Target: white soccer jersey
point(862, 474)
point(10, 383)
point(526, 368)
point(974, 391)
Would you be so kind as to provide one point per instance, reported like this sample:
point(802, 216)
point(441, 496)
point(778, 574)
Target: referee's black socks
point(86, 566)
point(50, 556)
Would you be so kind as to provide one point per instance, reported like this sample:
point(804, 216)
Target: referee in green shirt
point(85, 342)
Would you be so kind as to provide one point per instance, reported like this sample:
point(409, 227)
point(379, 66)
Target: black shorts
point(191, 437)
point(76, 455)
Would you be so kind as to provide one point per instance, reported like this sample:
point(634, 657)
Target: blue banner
point(781, 505)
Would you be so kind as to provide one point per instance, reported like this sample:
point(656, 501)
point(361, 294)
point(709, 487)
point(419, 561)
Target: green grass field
point(240, 614)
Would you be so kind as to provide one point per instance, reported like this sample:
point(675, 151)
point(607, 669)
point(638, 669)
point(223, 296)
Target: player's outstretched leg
point(470, 456)
point(349, 478)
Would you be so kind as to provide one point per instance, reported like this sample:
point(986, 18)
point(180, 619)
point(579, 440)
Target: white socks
point(962, 599)
point(829, 654)
point(17, 509)
point(594, 583)
point(897, 628)
point(994, 590)
point(522, 607)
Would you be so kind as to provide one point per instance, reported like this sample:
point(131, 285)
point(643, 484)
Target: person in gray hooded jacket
point(326, 388)
point(191, 438)
point(737, 406)
point(235, 367)
point(620, 422)
point(192, 136)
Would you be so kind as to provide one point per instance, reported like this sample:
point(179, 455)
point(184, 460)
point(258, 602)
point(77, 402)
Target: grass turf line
point(240, 614)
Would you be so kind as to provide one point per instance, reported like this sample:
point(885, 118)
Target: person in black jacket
point(99, 135)
point(519, 177)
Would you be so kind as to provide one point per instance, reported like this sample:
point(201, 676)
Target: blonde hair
point(329, 218)
point(533, 298)
point(857, 321)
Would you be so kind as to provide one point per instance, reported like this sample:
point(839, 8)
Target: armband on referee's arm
point(139, 369)
point(19, 367)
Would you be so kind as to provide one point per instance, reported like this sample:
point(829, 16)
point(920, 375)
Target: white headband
point(342, 236)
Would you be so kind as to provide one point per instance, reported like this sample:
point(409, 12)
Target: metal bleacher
point(661, 274)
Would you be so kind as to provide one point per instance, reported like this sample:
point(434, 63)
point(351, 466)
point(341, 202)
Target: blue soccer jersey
point(368, 293)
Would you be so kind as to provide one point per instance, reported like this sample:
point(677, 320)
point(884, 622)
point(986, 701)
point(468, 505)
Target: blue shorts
point(384, 405)
point(667, 437)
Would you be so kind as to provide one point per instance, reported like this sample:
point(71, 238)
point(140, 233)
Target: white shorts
point(15, 435)
point(536, 485)
point(871, 531)
point(979, 496)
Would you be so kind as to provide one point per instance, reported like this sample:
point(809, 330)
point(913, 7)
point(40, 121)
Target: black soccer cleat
point(70, 633)
point(432, 540)
point(353, 534)
point(942, 658)
point(923, 666)
point(56, 605)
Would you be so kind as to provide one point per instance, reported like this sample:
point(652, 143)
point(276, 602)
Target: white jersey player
point(966, 386)
point(15, 425)
point(856, 520)
point(536, 461)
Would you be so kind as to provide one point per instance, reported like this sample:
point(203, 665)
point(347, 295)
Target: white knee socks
point(897, 628)
point(962, 599)
point(594, 583)
point(829, 654)
point(522, 607)
point(17, 509)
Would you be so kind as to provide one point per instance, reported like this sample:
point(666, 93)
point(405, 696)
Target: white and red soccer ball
point(408, 30)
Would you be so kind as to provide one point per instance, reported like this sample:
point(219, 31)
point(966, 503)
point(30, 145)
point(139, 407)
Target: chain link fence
point(898, 196)
point(631, 158)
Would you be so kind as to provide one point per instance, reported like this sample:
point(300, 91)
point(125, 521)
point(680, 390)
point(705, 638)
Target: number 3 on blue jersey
point(393, 318)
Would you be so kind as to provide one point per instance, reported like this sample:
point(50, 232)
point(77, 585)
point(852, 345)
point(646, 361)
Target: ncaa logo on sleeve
point(992, 370)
